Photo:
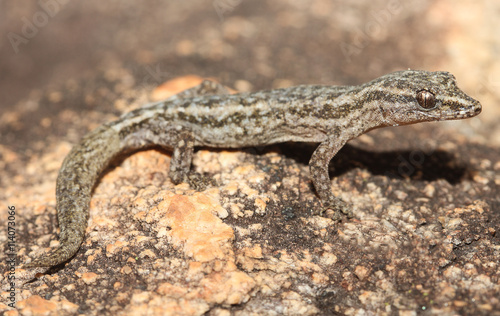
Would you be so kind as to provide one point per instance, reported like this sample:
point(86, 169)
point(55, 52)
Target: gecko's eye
point(426, 99)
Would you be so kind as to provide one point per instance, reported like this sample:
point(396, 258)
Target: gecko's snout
point(474, 110)
point(477, 108)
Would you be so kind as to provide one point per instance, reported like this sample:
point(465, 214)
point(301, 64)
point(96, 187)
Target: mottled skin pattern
point(207, 116)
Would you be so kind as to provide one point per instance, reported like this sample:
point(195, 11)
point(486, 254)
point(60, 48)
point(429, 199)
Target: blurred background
point(249, 45)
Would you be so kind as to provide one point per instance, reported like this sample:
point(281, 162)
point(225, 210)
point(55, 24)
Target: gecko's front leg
point(318, 166)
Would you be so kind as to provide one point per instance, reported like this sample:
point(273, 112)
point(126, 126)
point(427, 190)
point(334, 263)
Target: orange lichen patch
point(195, 268)
point(227, 288)
point(89, 277)
point(195, 228)
point(171, 290)
point(115, 247)
point(179, 84)
point(35, 305)
point(101, 222)
point(161, 305)
point(254, 252)
point(174, 86)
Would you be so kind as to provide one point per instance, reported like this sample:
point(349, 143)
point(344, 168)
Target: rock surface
point(425, 237)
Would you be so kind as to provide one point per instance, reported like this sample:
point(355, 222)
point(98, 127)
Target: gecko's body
point(202, 116)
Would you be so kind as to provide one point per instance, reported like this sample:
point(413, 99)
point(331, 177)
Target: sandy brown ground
point(425, 239)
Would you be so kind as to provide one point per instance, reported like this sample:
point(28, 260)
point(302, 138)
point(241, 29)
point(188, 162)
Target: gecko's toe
point(333, 214)
point(337, 209)
point(200, 182)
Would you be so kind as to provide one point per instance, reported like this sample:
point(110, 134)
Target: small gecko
point(207, 115)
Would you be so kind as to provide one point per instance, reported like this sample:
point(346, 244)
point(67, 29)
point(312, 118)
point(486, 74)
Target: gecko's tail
point(75, 182)
point(73, 213)
point(60, 255)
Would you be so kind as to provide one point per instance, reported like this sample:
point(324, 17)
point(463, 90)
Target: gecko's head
point(414, 96)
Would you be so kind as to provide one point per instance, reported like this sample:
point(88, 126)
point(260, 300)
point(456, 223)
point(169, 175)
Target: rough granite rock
point(425, 239)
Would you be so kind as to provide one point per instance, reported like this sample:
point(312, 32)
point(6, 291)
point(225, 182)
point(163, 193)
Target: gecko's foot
point(200, 182)
point(335, 209)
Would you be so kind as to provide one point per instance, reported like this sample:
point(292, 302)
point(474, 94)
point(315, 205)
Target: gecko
point(207, 115)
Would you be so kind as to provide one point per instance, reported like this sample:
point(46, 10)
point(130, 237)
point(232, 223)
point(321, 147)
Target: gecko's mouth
point(473, 111)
